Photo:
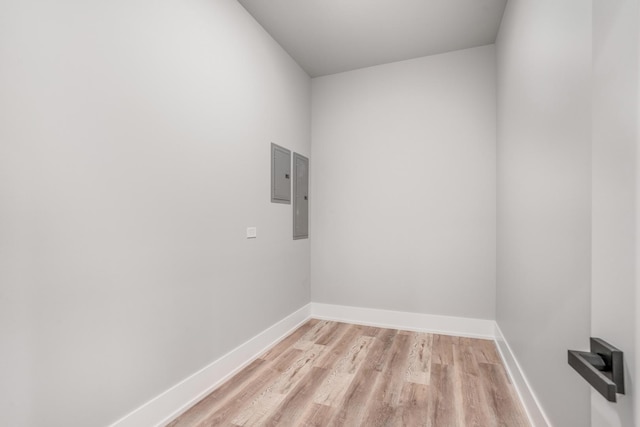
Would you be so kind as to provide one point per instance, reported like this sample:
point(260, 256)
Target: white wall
point(403, 186)
point(615, 139)
point(636, 394)
point(544, 196)
point(135, 152)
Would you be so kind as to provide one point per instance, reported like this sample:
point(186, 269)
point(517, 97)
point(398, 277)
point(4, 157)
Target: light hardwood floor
point(337, 374)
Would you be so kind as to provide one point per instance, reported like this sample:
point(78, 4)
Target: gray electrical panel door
point(300, 196)
point(280, 174)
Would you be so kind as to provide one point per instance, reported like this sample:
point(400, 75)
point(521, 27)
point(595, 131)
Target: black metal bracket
point(603, 368)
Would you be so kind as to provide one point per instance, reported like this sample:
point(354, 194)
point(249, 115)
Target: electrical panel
point(300, 196)
point(280, 174)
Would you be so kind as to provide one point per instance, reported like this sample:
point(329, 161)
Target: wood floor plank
point(288, 342)
point(336, 374)
point(486, 352)
point(334, 387)
point(369, 331)
point(441, 405)
point(285, 360)
point(419, 366)
point(380, 352)
point(350, 363)
point(352, 409)
point(457, 369)
point(386, 393)
point(472, 396)
point(271, 397)
point(442, 350)
point(294, 406)
point(229, 406)
point(465, 358)
point(298, 369)
point(382, 414)
point(414, 405)
point(476, 410)
point(316, 415)
point(501, 398)
point(331, 336)
point(198, 413)
point(339, 347)
point(313, 334)
point(259, 410)
point(389, 389)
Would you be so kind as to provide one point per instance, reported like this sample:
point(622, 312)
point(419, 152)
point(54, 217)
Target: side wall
point(615, 139)
point(403, 186)
point(544, 197)
point(135, 152)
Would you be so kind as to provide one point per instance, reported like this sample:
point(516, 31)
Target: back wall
point(403, 186)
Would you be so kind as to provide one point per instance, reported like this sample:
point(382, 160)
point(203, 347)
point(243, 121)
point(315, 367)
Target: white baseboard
point(527, 396)
point(162, 409)
point(447, 325)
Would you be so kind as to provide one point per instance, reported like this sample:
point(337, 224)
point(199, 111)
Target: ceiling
point(331, 36)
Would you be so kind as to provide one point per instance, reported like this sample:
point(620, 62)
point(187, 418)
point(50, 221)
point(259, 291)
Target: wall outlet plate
point(252, 232)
